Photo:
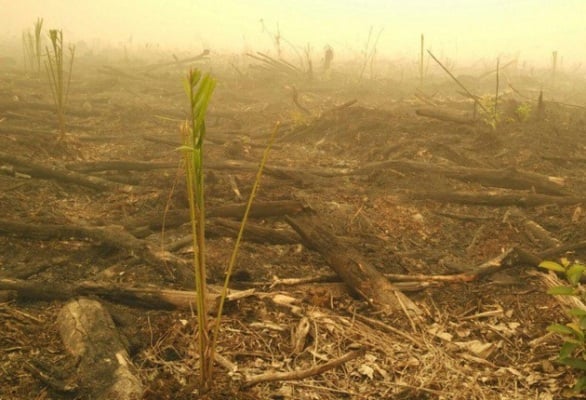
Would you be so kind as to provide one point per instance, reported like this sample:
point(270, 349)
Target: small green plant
point(199, 88)
point(573, 350)
point(59, 78)
point(491, 116)
point(523, 112)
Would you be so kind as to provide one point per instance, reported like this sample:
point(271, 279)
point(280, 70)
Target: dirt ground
point(415, 196)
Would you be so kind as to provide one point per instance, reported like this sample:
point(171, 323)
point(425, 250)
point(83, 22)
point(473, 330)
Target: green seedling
point(523, 112)
point(573, 349)
point(199, 88)
point(491, 116)
point(59, 78)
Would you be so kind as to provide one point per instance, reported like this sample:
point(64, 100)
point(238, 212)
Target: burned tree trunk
point(355, 271)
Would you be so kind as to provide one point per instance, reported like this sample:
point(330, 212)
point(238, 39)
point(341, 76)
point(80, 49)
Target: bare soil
point(482, 338)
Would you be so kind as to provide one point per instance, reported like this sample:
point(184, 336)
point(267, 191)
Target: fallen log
point(99, 166)
point(446, 115)
point(536, 233)
point(21, 105)
point(24, 271)
point(509, 178)
point(148, 298)
point(227, 228)
point(495, 199)
point(61, 174)
point(260, 209)
point(503, 260)
point(535, 258)
point(252, 232)
point(356, 272)
point(104, 368)
point(275, 171)
point(114, 236)
point(177, 62)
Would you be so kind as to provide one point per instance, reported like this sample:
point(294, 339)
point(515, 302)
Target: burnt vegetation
point(391, 250)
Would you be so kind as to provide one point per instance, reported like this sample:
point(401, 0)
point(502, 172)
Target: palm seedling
point(59, 79)
point(199, 88)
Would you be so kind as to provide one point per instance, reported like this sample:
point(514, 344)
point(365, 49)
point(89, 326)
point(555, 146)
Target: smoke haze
point(460, 29)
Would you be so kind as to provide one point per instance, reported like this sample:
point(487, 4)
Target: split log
point(356, 272)
point(510, 178)
point(61, 174)
point(104, 368)
point(496, 199)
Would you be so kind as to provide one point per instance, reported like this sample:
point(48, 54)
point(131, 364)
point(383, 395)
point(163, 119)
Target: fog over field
point(460, 29)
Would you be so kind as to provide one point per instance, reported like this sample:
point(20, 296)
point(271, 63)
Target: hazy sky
point(456, 28)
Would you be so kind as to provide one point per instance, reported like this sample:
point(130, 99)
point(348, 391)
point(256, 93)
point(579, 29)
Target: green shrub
point(573, 350)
